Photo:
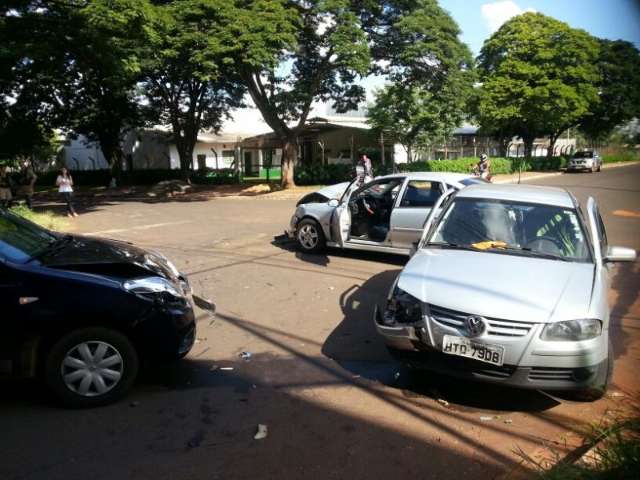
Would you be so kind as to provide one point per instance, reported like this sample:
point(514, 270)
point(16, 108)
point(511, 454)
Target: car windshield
point(583, 155)
point(516, 228)
point(21, 240)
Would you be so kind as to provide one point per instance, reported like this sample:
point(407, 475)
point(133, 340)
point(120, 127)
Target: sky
point(612, 19)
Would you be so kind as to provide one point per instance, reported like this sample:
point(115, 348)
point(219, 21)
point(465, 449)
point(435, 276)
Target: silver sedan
point(386, 214)
point(508, 285)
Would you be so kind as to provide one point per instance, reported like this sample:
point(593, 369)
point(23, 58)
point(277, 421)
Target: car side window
point(421, 193)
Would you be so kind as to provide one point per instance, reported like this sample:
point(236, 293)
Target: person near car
point(483, 167)
point(64, 183)
point(26, 182)
point(364, 171)
point(6, 185)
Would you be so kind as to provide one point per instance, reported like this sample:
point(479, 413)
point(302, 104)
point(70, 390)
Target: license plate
point(463, 347)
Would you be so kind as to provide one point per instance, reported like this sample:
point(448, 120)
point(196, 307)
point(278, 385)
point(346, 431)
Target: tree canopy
point(539, 77)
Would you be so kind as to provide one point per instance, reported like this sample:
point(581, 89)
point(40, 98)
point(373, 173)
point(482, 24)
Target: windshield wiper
point(525, 251)
point(54, 246)
point(450, 245)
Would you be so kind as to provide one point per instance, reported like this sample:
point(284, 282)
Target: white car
point(588, 160)
point(508, 285)
point(386, 214)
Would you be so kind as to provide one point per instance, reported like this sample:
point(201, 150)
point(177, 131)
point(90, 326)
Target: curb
point(605, 166)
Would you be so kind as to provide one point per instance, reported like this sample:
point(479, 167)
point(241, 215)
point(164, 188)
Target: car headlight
point(152, 288)
point(572, 330)
point(402, 307)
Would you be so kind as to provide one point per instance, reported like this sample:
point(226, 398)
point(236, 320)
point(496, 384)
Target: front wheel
point(90, 367)
point(310, 236)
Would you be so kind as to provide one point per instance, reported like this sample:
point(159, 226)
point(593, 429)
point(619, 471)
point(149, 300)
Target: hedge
point(92, 178)
point(622, 156)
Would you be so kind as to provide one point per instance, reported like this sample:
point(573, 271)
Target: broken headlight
point(402, 307)
point(155, 288)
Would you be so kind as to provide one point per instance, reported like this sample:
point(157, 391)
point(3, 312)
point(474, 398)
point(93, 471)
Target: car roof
point(447, 177)
point(520, 193)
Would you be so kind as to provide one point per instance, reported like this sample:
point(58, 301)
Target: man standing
point(5, 188)
point(26, 182)
point(364, 170)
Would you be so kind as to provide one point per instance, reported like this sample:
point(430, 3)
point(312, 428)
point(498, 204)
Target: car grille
point(561, 374)
point(495, 327)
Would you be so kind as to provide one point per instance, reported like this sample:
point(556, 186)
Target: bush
point(323, 174)
point(102, 178)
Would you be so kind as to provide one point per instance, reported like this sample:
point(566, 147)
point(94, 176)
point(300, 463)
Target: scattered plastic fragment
point(616, 394)
point(508, 421)
point(486, 419)
point(332, 288)
point(443, 402)
point(261, 433)
point(214, 368)
point(246, 356)
point(226, 368)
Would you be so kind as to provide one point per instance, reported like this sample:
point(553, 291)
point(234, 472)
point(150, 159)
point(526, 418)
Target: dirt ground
point(334, 402)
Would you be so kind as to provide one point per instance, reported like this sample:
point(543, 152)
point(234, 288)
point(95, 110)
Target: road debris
point(246, 356)
point(442, 402)
point(486, 419)
point(214, 368)
point(508, 421)
point(261, 433)
point(616, 395)
point(201, 339)
point(226, 368)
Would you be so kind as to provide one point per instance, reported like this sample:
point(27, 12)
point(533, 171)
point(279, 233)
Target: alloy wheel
point(308, 236)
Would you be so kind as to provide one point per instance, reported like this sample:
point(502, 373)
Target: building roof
point(520, 193)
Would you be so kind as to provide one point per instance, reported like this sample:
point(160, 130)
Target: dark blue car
point(82, 313)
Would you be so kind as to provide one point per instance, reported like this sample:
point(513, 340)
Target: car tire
point(309, 236)
point(91, 367)
point(599, 167)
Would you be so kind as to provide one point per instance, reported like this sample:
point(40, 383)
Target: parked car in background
point(82, 313)
point(386, 214)
point(588, 160)
point(508, 285)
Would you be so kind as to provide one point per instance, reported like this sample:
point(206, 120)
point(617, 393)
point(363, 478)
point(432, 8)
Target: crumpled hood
point(334, 191)
point(91, 252)
point(500, 285)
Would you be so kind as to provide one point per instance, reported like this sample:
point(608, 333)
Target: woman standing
point(65, 187)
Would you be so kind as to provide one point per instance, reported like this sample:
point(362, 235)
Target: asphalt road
point(335, 404)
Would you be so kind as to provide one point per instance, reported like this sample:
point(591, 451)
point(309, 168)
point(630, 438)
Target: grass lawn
point(45, 219)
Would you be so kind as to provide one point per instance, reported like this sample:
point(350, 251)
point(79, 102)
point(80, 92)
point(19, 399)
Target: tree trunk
point(112, 153)
point(528, 146)
point(289, 159)
point(186, 161)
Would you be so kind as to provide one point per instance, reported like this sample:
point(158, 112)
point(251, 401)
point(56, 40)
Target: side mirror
point(414, 248)
point(620, 254)
point(334, 202)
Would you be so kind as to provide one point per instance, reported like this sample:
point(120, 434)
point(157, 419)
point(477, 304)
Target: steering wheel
point(557, 246)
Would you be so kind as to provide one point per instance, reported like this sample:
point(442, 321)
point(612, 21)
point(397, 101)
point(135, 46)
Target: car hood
point(334, 191)
point(500, 285)
point(108, 258)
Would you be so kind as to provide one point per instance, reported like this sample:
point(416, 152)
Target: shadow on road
point(357, 347)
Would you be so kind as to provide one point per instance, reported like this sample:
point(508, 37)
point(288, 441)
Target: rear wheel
point(90, 367)
point(310, 236)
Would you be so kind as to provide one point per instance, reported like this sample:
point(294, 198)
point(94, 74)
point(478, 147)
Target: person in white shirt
point(65, 187)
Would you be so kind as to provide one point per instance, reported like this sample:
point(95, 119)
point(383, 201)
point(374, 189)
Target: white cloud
point(496, 13)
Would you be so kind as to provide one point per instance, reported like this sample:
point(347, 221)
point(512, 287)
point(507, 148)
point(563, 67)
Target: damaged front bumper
point(413, 345)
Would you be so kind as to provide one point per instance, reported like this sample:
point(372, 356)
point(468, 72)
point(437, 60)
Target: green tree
point(414, 116)
point(538, 78)
point(295, 53)
point(76, 66)
point(189, 77)
point(619, 66)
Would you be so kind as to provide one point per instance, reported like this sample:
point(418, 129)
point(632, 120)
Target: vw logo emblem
point(475, 325)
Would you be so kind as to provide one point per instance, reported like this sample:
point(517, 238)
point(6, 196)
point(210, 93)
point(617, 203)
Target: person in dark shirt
point(6, 184)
